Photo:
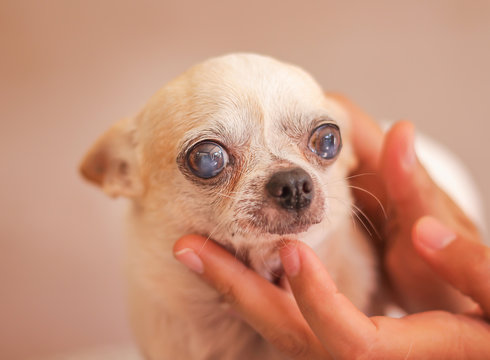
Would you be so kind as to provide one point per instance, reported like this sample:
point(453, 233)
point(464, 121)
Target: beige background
point(71, 68)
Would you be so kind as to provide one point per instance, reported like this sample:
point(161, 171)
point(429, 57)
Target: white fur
point(262, 111)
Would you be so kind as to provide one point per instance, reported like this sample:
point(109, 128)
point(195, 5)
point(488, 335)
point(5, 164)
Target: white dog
point(248, 151)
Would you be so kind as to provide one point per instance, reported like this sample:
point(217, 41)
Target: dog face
point(242, 148)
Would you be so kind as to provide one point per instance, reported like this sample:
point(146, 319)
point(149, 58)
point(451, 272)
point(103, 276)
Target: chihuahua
point(247, 151)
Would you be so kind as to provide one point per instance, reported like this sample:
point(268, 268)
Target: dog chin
point(292, 229)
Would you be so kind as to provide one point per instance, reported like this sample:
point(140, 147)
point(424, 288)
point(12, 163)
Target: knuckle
point(481, 265)
point(289, 344)
point(372, 348)
point(228, 294)
point(230, 291)
point(365, 353)
point(480, 281)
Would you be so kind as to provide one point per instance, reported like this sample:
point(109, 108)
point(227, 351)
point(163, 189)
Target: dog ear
point(112, 163)
point(348, 156)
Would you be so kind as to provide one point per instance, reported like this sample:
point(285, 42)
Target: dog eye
point(325, 141)
point(207, 159)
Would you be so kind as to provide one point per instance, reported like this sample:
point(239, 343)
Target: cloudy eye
point(325, 141)
point(207, 159)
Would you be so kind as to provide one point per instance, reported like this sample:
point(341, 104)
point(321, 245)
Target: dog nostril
point(285, 192)
point(307, 187)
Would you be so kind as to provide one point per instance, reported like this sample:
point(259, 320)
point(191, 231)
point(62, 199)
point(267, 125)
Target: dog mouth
point(298, 225)
point(287, 224)
point(257, 243)
point(265, 218)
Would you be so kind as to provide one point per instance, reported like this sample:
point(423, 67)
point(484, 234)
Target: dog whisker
point(216, 228)
point(368, 220)
point(359, 175)
point(227, 196)
point(336, 180)
point(374, 197)
point(356, 211)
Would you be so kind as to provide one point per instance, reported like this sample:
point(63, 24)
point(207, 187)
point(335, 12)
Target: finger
point(464, 263)
point(410, 188)
point(398, 161)
point(414, 194)
point(271, 311)
point(431, 335)
point(337, 323)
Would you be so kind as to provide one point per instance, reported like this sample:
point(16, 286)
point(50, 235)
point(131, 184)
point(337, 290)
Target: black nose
point(292, 189)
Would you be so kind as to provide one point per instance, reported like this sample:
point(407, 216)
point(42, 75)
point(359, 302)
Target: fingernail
point(189, 258)
point(290, 259)
point(408, 156)
point(433, 235)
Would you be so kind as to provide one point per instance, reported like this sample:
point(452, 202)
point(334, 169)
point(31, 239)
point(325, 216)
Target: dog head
point(241, 148)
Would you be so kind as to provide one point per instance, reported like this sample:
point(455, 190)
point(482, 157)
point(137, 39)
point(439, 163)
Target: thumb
point(411, 190)
point(403, 175)
point(461, 261)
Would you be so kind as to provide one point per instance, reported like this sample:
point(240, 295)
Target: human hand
point(390, 172)
point(408, 193)
point(320, 323)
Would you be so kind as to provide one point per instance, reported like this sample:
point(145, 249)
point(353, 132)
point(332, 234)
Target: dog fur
point(263, 112)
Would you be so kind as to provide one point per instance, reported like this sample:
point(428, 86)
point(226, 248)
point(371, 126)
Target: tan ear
point(349, 156)
point(342, 114)
point(112, 164)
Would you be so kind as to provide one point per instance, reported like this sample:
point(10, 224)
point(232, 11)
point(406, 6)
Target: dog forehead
point(247, 93)
point(235, 97)
point(267, 81)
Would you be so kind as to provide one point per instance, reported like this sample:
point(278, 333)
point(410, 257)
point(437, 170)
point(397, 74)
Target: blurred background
point(69, 69)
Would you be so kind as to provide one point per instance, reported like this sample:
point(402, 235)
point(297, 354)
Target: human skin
point(431, 252)
point(389, 169)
